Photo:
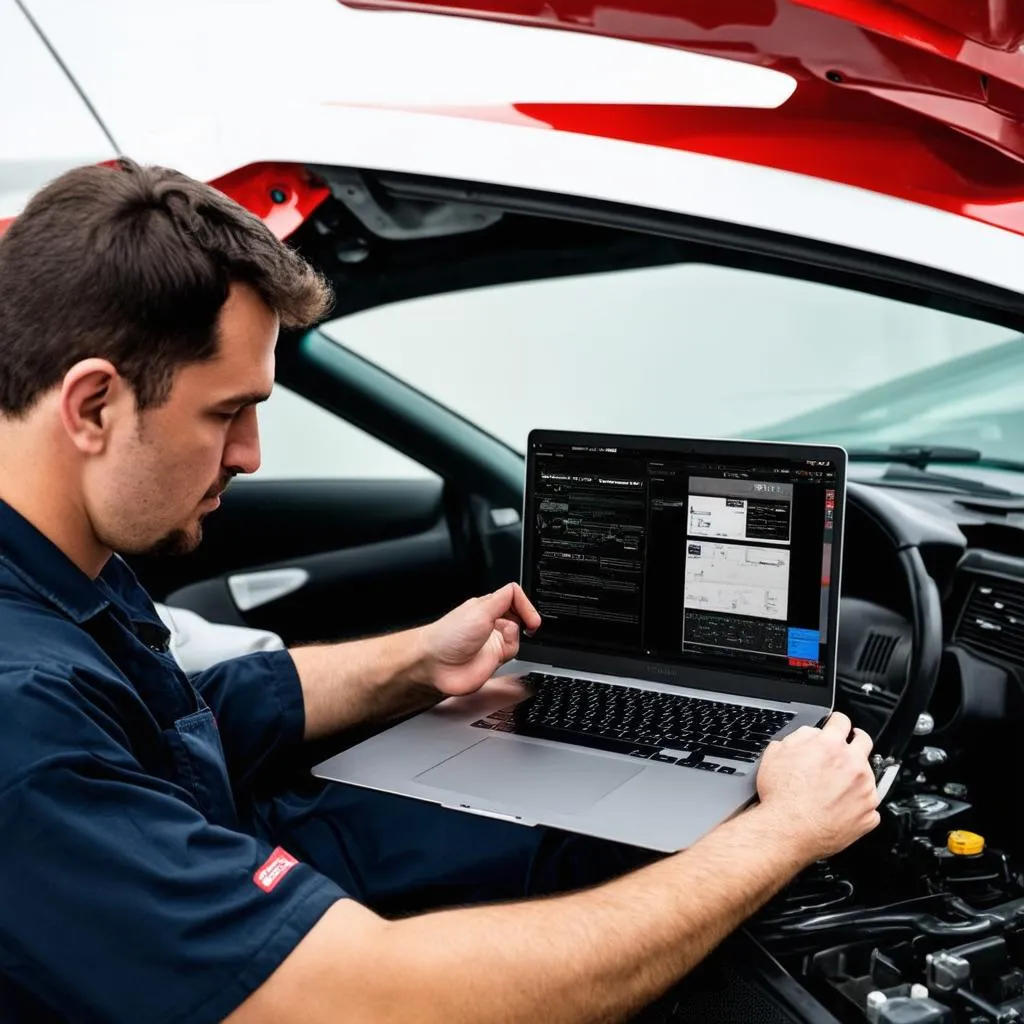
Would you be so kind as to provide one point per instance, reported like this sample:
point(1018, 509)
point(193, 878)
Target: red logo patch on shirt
point(277, 865)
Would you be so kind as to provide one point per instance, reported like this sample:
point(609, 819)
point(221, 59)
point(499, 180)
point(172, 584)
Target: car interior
point(931, 657)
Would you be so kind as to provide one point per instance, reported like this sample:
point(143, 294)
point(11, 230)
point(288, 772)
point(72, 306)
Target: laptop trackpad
point(544, 777)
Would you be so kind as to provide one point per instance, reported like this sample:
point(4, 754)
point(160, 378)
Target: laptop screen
point(720, 561)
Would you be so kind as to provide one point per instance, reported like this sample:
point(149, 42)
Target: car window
point(301, 441)
point(686, 349)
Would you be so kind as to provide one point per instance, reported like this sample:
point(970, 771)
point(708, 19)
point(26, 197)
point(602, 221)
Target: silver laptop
point(689, 591)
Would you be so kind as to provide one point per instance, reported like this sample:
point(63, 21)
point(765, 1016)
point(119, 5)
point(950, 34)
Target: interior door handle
point(252, 589)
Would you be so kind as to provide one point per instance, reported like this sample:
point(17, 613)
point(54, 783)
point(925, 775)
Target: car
point(786, 219)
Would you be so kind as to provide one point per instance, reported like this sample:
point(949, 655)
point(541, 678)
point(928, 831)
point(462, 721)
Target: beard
point(181, 541)
point(176, 543)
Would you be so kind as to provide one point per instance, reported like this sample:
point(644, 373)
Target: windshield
point(703, 350)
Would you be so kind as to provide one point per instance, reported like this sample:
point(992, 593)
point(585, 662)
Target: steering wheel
point(907, 529)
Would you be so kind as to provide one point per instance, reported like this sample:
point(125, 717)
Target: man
point(156, 865)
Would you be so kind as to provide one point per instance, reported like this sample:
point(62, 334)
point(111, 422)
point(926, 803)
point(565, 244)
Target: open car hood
point(922, 100)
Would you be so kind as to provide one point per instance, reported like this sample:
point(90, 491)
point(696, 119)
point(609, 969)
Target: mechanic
point(165, 859)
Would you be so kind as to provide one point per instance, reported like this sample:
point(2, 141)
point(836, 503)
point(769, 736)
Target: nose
point(242, 451)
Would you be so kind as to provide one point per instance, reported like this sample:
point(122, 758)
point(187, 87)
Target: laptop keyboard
point(707, 735)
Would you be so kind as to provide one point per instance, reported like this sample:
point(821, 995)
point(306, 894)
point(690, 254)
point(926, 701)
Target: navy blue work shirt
point(128, 890)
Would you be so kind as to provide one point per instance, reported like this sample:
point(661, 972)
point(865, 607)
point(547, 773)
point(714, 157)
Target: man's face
point(166, 466)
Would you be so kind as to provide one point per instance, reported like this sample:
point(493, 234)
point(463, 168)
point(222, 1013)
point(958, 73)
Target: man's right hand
point(820, 783)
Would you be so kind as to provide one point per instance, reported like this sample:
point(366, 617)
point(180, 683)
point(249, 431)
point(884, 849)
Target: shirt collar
point(38, 562)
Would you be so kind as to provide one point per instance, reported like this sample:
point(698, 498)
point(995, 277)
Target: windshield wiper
point(918, 455)
point(916, 459)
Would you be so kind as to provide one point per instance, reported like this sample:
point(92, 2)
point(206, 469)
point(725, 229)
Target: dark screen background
point(624, 552)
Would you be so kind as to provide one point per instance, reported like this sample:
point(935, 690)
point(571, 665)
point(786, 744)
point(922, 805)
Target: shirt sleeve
point(257, 701)
point(121, 903)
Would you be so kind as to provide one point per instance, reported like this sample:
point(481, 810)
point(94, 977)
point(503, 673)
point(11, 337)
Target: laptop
point(689, 591)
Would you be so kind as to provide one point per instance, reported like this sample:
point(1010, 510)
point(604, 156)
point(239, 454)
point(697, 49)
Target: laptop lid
point(713, 564)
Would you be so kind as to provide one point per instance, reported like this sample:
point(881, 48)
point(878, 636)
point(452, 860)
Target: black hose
point(849, 925)
point(792, 907)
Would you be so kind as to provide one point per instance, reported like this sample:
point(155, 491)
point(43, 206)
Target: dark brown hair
point(133, 264)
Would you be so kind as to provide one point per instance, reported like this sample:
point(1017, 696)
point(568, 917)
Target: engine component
point(965, 844)
point(964, 866)
point(912, 1009)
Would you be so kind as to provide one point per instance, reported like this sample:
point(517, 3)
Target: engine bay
point(922, 921)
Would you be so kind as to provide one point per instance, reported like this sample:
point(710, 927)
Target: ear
point(92, 394)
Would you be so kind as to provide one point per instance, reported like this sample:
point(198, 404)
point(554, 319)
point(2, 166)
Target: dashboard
point(973, 548)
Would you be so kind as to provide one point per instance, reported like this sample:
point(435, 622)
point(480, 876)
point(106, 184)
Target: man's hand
point(466, 647)
point(821, 784)
point(383, 677)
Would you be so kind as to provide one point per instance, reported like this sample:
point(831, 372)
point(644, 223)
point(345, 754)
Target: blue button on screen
point(804, 644)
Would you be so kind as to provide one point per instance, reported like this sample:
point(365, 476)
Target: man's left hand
point(466, 647)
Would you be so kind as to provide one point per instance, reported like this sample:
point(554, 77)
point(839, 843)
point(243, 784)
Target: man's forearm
point(593, 956)
point(598, 955)
point(363, 680)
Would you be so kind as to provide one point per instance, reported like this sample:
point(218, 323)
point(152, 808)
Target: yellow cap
point(965, 843)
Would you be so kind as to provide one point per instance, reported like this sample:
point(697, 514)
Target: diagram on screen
point(740, 510)
point(737, 579)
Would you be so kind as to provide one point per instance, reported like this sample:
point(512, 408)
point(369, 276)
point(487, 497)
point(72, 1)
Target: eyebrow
point(250, 398)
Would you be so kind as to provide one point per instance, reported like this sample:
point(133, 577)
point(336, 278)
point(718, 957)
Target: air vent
point(876, 653)
point(993, 619)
